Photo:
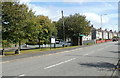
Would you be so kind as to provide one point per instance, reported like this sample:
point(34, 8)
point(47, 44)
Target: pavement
point(95, 60)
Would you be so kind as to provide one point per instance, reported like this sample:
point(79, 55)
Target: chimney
point(105, 29)
point(92, 26)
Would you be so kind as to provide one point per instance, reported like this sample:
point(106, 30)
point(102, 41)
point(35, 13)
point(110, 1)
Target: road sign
point(81, 35)
point(52, 40)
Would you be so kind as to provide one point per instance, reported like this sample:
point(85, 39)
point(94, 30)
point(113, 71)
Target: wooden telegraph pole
point(63, 27)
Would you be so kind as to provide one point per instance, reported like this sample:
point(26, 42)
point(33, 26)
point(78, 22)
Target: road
point(95, 60)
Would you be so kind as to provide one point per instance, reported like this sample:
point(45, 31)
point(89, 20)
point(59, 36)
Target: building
point(97, 33)
point(115, 34)
point(93, 33)
point(119, 34)
point(110, 34)
point(105, 34)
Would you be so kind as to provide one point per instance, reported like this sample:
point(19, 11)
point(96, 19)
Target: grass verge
point(36, 50)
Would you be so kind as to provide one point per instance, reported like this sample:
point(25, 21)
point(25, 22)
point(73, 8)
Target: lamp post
point(101, 23)
point(101, 18)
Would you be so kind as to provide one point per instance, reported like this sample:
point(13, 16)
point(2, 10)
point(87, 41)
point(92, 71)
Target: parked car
point(57, 42)
point(114, 39)
point(69, 43)
point(65, 44)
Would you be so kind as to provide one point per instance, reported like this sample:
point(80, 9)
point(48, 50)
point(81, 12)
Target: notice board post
point(52, 41)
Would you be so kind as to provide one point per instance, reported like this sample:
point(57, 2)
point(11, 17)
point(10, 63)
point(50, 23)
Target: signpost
point(52, 41)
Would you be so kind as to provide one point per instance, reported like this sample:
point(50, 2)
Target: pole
point(63, 27)
point(101, 21)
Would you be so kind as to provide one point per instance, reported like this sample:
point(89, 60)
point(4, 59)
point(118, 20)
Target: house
point(93, 33)
point(105, 34)
point(110, 34)
point(99, 33)
point(119, 34)
point(115, 34)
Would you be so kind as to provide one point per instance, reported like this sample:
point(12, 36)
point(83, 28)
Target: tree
point(74, 25)
point(16, 17)
point(44, 29)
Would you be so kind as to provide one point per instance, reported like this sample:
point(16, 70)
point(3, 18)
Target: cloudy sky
point(92, 9)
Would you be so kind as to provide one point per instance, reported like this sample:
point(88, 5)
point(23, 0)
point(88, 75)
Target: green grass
point(36, 50)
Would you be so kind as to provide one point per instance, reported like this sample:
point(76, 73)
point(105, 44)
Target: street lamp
point(101, 19)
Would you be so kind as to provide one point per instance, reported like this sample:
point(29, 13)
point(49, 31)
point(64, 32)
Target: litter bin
point(2, 52)
point(17, 51)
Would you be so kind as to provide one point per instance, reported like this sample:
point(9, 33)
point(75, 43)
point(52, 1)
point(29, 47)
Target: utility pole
point(63, 27)
point(101, 19)
point(101, 22)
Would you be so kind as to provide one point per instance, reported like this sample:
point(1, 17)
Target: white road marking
point(21, 75)
point(59, 63)
point(86, 54)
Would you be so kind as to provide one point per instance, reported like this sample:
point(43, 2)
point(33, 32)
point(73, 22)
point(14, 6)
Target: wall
point(89, 41)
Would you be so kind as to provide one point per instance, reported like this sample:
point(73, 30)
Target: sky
point(91, 9)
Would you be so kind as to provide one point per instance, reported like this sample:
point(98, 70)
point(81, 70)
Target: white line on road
point(19, 75)
point(59, 63)
point(86, 54)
